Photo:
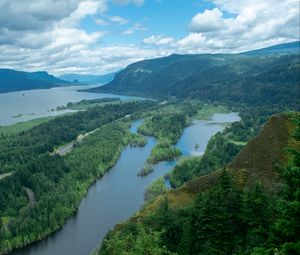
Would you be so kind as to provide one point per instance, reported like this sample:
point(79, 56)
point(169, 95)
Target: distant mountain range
point(285, 48)
point(88, 79)
point(12, 80)
point(269, 75)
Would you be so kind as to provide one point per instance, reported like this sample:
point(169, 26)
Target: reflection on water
point(30, 104)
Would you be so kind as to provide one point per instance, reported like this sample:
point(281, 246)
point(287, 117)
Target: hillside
point(12, 80)
point(258, 161)
point(88, 79)
point(286, 48)
point(253, 78)
point(239, 210)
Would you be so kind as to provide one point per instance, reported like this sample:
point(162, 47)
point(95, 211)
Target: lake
point(120, 193)
point(31, 104)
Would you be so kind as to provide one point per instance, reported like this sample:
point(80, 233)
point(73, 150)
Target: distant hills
point(88, 79)
point(269, 75)
point(12, 80)
point(286, 48)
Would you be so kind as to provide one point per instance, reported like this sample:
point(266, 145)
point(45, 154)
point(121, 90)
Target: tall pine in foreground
point(286, 231)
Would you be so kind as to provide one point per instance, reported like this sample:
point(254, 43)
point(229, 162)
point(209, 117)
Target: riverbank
point(107, 201)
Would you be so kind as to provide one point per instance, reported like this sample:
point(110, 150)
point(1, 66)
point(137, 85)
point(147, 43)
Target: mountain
point(248, 78)
point(12, 80)
point(88, 79)
point(286, 48)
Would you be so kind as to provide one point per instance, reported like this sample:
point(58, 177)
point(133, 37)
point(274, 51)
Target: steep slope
point(12, 80)
point(254, 78)
point(251, 208)
point(258, 161)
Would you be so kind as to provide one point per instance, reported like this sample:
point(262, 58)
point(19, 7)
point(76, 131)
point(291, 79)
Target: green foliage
point(155, 189)
point(163, 151)
point(147, 169)
point(58, 182)
point(226, 219)
point(234, 78)
point(135, 140)
point(287, 226)
point(225, 145)
point(22, 126)
point(143, 242)
point(168, 126)
point(207, 111)
point(86, 104)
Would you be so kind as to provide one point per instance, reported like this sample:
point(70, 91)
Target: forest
point(224, 219)
point(57, 183)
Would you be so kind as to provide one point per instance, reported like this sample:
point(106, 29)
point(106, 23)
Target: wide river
point(30, 104)
point(120, 193)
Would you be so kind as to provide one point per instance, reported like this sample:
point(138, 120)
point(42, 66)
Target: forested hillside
point(12, 80)
point(239, 78)
point(231, 211)
point(41, 188)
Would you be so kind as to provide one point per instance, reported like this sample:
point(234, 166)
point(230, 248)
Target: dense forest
point(256, 78)
point(226, 218)
point(12, 80)
point(44, 188)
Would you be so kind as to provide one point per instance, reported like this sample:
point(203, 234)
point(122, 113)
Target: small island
point(147, 169)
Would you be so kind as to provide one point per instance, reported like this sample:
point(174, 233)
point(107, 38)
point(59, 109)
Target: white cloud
point(111, 20)
point(118, 20)
point(46, 35)
point(159, 40)
point(138, 3)
point(251, 24)
point(136, 27)
point(28, 14)
point(102, 22)
point(207, 21)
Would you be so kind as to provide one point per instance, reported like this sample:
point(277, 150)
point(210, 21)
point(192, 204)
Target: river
point(120, 193)
point(30, 104)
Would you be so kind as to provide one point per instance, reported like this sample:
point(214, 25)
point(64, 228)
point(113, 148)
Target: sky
point(102, 36)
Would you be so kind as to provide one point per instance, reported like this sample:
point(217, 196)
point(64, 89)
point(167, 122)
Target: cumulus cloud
point(158, 40)
point(62, 46)
point(27, 14)
point(46, 34)
point(252, 24)
point(207, 21)
point(249, 24)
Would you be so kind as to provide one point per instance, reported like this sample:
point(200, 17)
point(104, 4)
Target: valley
point(210, 166)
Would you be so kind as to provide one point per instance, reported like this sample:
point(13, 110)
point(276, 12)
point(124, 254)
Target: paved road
point(63, 150)
point(31, 196)
point(5, 175)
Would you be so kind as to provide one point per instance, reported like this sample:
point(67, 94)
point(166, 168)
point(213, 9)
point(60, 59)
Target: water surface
point(120, 193)
point(31, 104)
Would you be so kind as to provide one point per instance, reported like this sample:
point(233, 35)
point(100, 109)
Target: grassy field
point(86, 104)
point(22, 126)
point(207, 111)
point(5, 175)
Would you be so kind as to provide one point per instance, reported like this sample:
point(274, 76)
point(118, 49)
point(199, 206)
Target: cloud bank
point(46, 34)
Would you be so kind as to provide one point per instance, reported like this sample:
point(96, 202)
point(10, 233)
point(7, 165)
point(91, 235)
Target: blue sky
point(165, 17)
point(101, 36)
